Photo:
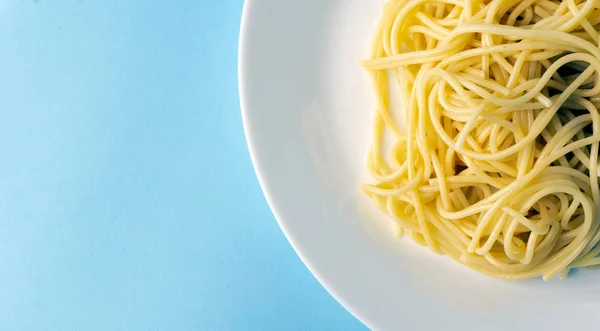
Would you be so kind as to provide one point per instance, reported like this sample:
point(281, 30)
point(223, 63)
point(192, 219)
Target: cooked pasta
point(494, 159)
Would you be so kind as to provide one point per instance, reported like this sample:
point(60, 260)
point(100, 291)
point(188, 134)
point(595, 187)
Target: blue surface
point(127, 196)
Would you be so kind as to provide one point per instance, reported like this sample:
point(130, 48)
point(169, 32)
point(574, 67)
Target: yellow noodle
point(498, 165)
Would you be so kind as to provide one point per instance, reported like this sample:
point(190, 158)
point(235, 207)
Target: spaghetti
point(498, 164)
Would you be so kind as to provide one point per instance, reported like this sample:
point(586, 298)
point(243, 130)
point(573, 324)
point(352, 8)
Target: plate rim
point(244, 109)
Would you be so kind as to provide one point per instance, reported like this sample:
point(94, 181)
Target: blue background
point(127, 196)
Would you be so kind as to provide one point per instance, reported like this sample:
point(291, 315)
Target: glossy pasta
point(497, 163)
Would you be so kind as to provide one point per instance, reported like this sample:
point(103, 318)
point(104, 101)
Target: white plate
point(307, 111)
